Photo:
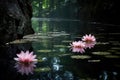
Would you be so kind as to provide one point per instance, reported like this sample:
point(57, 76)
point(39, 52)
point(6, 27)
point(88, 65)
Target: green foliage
point(44, 27)
point(43, 8)
point(35, 26)
point(35, 6)
point(45, 4)
point(51, 9)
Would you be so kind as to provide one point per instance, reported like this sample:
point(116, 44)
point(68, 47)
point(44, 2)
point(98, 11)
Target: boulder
point(15, 19)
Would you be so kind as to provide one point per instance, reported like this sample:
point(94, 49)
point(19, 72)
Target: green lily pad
point(80, 57)
point(60, 46)
point(64, 54)
point(19, 41)
point(44, 51)
point(66, 41)
point(115, 48)
point(44, 69)
point(101, 53)
point(97, 60)
point(112, 56)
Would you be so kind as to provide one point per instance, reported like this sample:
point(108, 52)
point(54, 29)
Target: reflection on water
point(25, 62)
point(57, 62)
point(53, 19)
point(106, 75)
point(55, 59)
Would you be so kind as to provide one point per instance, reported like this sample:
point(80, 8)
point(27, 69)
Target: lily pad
point(44, 51)
point(66, 41)
point(112, 56)
point(101, 53)
point(97, 60)
point(44, 69)
point(64, 54)
point(102, 43)
point(80, 57)
point(35, 36)
point(40, 60)
point(56, 34)
point(111, 50)
point(19, 41)
point(60, 46)
point(117, 53)
point(115, 48)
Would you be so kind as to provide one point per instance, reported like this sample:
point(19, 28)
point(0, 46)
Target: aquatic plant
point(78, 46)
point(89, 40)
point(25, 62)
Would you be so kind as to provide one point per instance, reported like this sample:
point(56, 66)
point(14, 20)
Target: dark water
point(57, 62)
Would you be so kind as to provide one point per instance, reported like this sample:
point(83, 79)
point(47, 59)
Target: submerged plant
point(78, 46)
point(25, 62)
point(89, 40)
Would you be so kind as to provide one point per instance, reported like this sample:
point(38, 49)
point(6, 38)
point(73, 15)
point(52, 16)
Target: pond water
point(56, 61)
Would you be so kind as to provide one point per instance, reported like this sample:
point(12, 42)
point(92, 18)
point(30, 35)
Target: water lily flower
point(89, 40)
point(78, 46)
point(25, 62)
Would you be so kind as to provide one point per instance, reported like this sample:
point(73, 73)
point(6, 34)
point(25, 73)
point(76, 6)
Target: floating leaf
point(64, 54)
point(66, 41)
point(101, 53)
point(115, 48)
point(61, 46)
point(44, 51)
point(44, 69)
point(112, 56)
point(80, 57)
point(19, 41)
point(102, 43)
point(117, 53)
point(111, 50)
point(98, 60)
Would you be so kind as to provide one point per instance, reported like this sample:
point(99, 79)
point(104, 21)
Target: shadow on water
point(57, 62)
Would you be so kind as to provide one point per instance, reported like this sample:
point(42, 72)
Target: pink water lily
point(25, 62)
point(89, 40)
point(78, 46)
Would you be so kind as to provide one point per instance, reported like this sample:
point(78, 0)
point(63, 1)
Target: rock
point(15, 19)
